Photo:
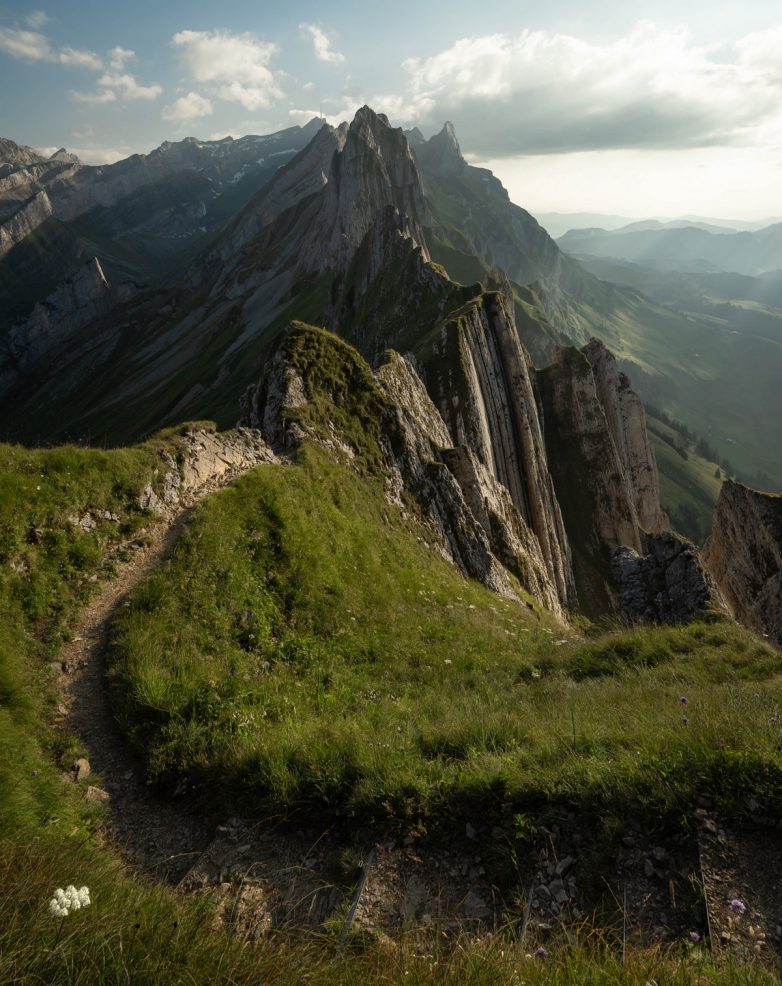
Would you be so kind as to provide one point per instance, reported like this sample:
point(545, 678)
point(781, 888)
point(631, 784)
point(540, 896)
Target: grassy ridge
point(138, 933)
point(343, 670)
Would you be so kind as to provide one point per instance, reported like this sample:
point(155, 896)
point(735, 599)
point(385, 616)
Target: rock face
point(603, 467)
point(626, 419)
point(375, 170)
point(481, 379)
point(744, 555)
point(206, 458)
point(668, 584)
point(475, 521)
point(32, 214)
point(80, 300)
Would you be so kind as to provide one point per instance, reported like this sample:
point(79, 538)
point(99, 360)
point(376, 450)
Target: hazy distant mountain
point(682, 248)
point(559, 223)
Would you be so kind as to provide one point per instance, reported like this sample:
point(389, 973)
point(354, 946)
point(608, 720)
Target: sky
point(660, 108)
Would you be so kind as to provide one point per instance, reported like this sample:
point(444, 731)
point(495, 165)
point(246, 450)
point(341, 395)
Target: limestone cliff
point(603, 467)
point(473, 517)
point(481, 380)
point(744, 555)
point(626, 419)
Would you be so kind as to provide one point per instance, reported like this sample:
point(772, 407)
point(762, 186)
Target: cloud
point(189, 107)
point(237, 65)
point(117, 85)
point(540, 92)
point(322, 44)
point(32, 46)
point(36, 19)
point(127, 87)
point(93, 98)
point(118, 56)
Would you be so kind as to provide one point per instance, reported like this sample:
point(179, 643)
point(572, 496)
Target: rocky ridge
point(53, 322)
point(744, 556)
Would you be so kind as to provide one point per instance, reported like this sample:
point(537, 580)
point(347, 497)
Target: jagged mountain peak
point(441, 154)
point(375, 169)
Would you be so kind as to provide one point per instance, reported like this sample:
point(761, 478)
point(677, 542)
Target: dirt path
point(159, 836)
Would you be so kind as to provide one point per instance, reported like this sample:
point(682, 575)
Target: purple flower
point(694, 937)
point(541, 953)
point(738, 906)
point(685, 721)
point(684, 700)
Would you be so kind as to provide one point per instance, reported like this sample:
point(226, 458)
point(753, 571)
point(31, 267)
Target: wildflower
point(541, 953)
point(685, 721)
point(773, 720)
point(684, 700)
point(70, 899)
point(738, 906)
point(694, 937)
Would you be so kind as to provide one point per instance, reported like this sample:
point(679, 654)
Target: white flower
point(70, 899)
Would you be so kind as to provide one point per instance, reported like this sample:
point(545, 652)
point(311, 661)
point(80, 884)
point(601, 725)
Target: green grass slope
point(689, 483)
point(352, 619)
point(343, 670)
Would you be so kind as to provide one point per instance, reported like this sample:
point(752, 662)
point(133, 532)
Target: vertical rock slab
point(481, 379)
point(744, 556)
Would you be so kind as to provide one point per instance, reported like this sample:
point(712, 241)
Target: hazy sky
point(658, 108)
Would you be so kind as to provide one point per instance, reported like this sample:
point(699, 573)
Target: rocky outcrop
point(602, 465)
point(33, 213)
point(668, 584)
point(80, 300)
point(204, 459)
point(481, 379)
point(744, 555)
point(477, 525)
point(626, 418)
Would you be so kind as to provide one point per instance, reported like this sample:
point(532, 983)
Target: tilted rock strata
point(471, 513)
point(595, 434)
point(481, 379)
point(626, 419)
point(744, 555)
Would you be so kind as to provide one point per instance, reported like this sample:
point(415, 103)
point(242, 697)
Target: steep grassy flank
point(135, 932)
point(305, 654)
point(689, 486)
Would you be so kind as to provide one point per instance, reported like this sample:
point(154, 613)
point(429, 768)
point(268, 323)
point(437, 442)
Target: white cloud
point(322, 44)
point(79, 59)
point(540, 92)
point(93, 98)
point(308, 86)
point(189, 107)
point(118, 56)
point(32, 46)
point(127, 87)
point(37, 19)
point(238, 66)
point(116, 85)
